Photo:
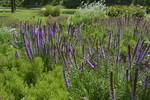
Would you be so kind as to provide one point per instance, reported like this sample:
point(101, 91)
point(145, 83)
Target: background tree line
point(71, 3)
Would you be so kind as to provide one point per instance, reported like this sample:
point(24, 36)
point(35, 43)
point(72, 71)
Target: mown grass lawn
point(26, 14)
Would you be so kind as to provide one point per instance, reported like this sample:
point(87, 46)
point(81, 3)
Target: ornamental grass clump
point(51, 10)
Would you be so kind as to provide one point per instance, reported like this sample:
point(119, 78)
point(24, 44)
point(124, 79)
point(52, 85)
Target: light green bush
point(51, 10)
point(87, 12)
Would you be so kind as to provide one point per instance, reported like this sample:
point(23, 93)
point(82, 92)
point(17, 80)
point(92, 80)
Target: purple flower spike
point(109, 40)
point(115, 42)
point(66, 79)
point(17, 54)
point(51, 32)
point(102, 52)
point(89, 51)
point(58, 28)
point(145, 53)
point(118, 56)
point(28, 53)
point(127, 75)
point(72, 31)
point(119, 35)
point(146, 82)
point(136, 47)
point(37, 40)
point(88, 62)
point(20, 28)
point(30, 48)
point(139, 57)
point(79, 32)
point(15, 37)
point(94, 64)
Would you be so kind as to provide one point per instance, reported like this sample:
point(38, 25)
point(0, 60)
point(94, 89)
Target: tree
point(13, 6)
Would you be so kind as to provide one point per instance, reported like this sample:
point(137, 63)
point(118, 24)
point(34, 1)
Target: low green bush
point(130, 11)
point(51, 10)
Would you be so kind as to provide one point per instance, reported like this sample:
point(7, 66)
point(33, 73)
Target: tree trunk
point(12, 6)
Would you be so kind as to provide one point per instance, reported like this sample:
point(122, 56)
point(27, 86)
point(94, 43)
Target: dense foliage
point(84, 58)
point(128, 11)
point(24, 79)
point(73, 3)
point(106, 59)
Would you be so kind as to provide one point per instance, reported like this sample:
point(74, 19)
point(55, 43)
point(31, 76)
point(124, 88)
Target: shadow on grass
point(68, 12)
point(5, 11)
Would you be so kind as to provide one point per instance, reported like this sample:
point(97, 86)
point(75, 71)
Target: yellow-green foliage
point(23, 79)
point(29, 82)
point(51, 10)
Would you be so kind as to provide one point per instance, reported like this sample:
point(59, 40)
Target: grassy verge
point(24, 14)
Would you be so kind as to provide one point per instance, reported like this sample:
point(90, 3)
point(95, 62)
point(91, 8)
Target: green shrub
point(130, 11)
point(48, 10)
point(51, 10)
point(56, 11)
point(87, 12)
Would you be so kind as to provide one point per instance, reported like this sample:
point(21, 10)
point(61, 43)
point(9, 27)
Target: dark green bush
point(71, 3)
point(148, 10)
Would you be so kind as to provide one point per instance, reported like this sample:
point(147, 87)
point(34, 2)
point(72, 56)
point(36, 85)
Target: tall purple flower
point(118, 56)
point(127, 75)
point(58, 28)
point(17, 54)
point(28, 53)
point(139, 57)
point(109, 40)
point(31, 32)
point(66, 79)
point(37, 40)
point(54, 58)
point(115, 41)
point(88, 62)
point(102, 51)
point(51, 32)
point(30, 48)
point(27, 49)
point(15, 37)
point(94, 64)
point(119, 35)
point(89, 51)
point(72, 31)
point(136, 47)
point(21, 28)
point(146, 82)
point(145, 52)
point(79, 32)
